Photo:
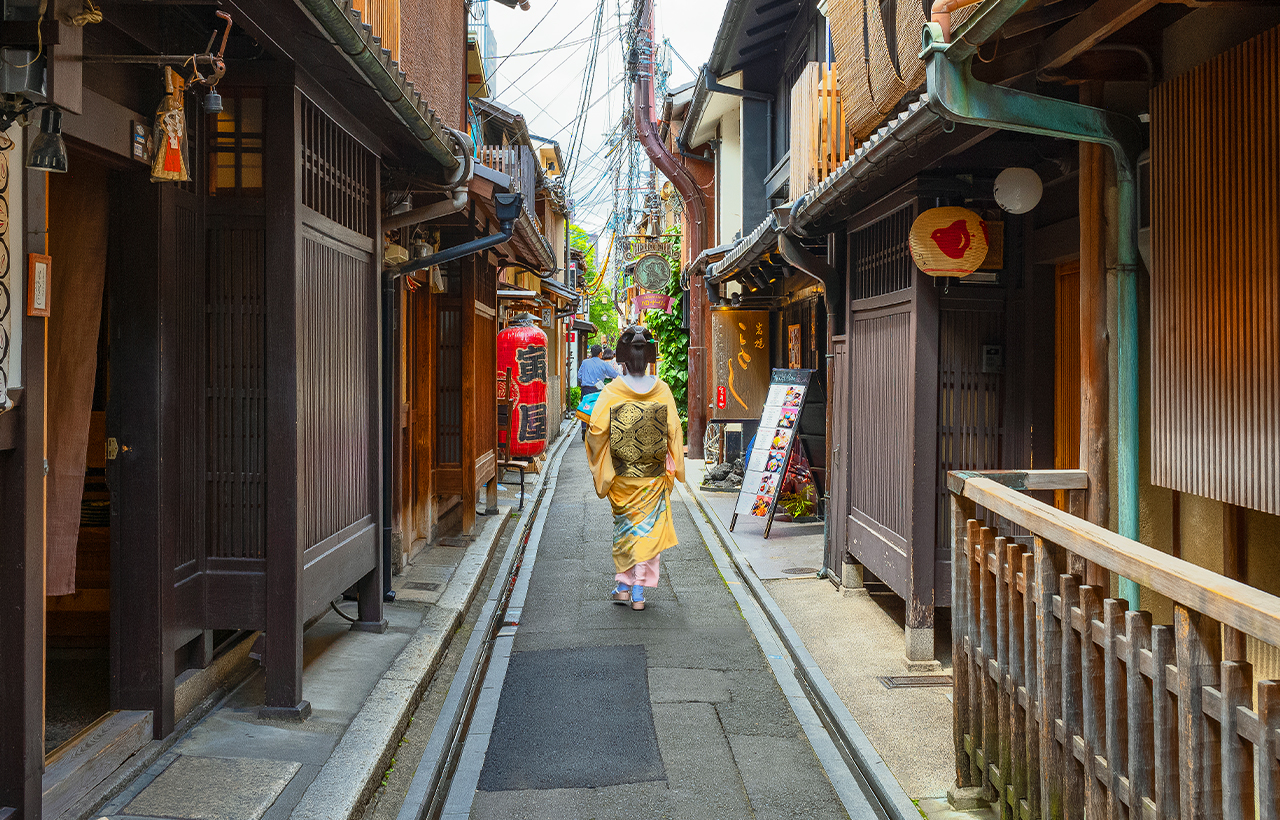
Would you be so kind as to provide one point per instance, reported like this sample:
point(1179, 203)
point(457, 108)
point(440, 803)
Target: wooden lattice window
point(235, 144)
point(336, 171)
point(879, 257)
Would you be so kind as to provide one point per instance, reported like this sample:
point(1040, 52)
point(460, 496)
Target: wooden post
point(1139, 714)
point(1094, 402)
point(1092, 703)
point(1166, 790)
point(1237, 753)
point(1115, 691)
point(924, 502)
point(962, 513)
point(1050, 562)
point(1030, 667)
point(1268, 772)
point(22, 486)
point(1002, 752)
point(1198, 651)
point(1234, 566)
point(977, 667)
point(1073, 773)
point(990, 690)
point(1015, 772)
point(283, 654)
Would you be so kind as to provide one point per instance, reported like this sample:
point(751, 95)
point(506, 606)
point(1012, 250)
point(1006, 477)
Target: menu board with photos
point(777, 436)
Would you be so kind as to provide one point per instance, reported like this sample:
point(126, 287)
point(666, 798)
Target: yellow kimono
point(635, 446)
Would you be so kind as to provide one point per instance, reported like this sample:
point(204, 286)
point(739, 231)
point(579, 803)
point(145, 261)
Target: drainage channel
point(446, 778)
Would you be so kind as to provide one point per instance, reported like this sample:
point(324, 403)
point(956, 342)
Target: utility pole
point(695, 207)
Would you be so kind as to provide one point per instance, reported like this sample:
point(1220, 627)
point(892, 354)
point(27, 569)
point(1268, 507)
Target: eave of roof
point(894, 138)
point(747, 251)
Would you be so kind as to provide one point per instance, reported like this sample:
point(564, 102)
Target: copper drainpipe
point(695, 239)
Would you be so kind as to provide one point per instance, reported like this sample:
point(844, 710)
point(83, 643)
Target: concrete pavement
point(687, 718)
point(669, 712)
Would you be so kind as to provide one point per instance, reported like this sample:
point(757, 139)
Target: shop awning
point(584, 326)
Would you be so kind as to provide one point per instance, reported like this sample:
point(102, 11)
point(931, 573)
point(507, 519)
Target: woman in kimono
point(635, 446)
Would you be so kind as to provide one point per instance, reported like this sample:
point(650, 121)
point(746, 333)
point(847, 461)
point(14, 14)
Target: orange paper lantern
point(948, 241)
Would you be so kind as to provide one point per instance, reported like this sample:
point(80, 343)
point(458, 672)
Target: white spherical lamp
point(1018, 190)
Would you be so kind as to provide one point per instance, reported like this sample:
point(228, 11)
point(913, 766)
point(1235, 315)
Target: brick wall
point(433, 41)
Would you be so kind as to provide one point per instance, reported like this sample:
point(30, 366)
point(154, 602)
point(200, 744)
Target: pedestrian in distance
point(609, 356)
point(635, 447)
point(593, 374)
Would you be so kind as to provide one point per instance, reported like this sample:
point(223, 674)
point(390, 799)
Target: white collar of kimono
point(640, 384)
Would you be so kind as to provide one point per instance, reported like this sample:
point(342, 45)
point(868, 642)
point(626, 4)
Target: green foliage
point(797, 504)
point(575, 397)
point(603, 313)
point(673, 342)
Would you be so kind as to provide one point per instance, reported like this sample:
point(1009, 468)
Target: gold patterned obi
point(638, 438)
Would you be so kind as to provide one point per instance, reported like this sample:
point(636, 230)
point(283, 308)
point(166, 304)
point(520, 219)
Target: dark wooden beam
point(1038, 18)
point(22, 484)
point(283, 655)
point(1101, 20)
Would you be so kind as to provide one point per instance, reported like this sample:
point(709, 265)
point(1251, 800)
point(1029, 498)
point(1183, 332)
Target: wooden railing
point(519, 163)
point(384, 17)
point(819, 141)
point(1066, 704)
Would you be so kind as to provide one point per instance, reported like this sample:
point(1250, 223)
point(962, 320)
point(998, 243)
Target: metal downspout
point(955, 95)
point(338, 25)
point(799, 257)
point(647, 130)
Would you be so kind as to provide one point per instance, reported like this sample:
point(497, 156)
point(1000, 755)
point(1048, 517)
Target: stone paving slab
point(200, 788)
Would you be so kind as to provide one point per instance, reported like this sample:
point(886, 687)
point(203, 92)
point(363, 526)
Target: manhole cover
point(801, 570)
point(424, 586)
point(915, 681)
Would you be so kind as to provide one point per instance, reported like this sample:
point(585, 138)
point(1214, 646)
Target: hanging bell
point(213, 101)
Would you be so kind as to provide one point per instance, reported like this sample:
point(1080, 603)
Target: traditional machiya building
point(196, 446)
point(1084, 425)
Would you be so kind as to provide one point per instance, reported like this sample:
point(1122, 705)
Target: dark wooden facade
point(928, 377)
point(244, 401)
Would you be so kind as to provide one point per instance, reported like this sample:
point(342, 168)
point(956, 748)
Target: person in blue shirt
point(591, 375)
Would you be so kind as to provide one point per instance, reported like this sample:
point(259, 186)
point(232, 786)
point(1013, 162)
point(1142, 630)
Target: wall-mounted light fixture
point(1018, 190)
point(48, 152)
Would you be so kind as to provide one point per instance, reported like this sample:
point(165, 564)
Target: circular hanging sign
point(948, 241)
point(653, 272)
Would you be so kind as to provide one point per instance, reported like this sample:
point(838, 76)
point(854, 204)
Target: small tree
point(603, 315)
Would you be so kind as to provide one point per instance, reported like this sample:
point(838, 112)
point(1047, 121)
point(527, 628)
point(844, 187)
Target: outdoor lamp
point(1018, 190)
point(48, 151)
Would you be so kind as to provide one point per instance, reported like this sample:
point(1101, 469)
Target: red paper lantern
point(948, 241)
point(522, 348)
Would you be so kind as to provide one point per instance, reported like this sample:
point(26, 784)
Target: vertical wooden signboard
point(776, 438)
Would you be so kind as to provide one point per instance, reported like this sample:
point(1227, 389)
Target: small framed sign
point(38, 284)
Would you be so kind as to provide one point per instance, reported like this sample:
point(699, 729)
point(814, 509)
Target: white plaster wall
point(729, 173)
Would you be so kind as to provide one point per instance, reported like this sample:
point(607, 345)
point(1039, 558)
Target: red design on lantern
point(523, 350)
point(953, 240)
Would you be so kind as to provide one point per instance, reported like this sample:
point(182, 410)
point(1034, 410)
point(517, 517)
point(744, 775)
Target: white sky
point(546, 87)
